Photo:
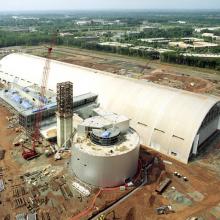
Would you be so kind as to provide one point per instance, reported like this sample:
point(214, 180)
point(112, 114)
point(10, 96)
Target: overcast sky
point(11, 5)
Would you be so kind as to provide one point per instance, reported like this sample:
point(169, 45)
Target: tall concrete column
point(68, 130)
point(60, 130)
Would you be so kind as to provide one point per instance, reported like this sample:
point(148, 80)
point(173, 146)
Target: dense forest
point(18, 38)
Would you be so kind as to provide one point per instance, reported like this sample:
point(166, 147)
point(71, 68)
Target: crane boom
point(42, 101)
point(43, 89)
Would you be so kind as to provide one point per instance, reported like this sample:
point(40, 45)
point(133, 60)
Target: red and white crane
point(29, 154)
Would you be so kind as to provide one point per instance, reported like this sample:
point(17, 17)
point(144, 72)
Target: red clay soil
point(193, 84)
point(6, 138)
point(93, 65)
point(201, 179)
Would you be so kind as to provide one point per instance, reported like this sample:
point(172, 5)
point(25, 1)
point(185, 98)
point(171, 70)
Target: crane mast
point(31, 153)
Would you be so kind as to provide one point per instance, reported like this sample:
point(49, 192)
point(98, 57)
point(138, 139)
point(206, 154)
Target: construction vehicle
point(163, 185)
point(104, 217)
point(31, 153)
point(166, 209)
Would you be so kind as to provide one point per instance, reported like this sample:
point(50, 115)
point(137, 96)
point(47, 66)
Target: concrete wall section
point(207, 131)
point(60, 131)
point(104, 171)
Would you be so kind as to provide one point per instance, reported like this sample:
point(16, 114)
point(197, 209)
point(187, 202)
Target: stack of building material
point(163, 185)
point(21, 216)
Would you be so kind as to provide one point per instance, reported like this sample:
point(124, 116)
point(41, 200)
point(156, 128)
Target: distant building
point(32, 29)
point(87, 38)
point(199, 30)
point(146, 28)
point(181, 22)
point(63, 34)
point(208, 35)
point(180, 44)
point(155, 40)
point(201, 55)
point(116, 44)
point(191, 39)
point(196, 44)
point(83, 22)
point(98, 21)
point(211, 35)
point(204, 44)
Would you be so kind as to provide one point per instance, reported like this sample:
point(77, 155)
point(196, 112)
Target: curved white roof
point(167, 119)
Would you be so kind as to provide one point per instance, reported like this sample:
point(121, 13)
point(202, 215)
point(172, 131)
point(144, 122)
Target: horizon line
point(112, 9)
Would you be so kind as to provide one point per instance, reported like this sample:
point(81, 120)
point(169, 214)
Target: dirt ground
point(14, 167)
point(199, 196)
point(55, 204)
point(184, 82)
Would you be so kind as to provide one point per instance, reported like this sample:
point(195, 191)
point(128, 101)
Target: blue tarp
point(106, 134)
point(39, 110)
point(26, 104)
point(15, 97)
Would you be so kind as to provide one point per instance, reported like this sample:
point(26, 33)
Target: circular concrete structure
point(106, 166)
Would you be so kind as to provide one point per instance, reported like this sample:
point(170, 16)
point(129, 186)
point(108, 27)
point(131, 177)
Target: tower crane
point(29, 154)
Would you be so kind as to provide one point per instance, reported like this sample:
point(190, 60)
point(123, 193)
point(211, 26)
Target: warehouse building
point(168, 120)
point(26, 102)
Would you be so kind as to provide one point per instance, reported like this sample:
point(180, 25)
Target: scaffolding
point(64, 113)
point(65, 99)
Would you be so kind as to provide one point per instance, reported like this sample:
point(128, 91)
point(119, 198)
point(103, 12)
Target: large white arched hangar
point(172, 121)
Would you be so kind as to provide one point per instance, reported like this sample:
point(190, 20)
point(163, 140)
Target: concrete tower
point(64, 113)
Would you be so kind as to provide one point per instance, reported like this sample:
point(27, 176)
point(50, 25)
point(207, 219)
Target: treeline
point(202, 62)
point(18, 38)
point(152, 55)
point(175, 32)
point(111, 49)
point(212, 50)
point(215, 32)
point(32, 39)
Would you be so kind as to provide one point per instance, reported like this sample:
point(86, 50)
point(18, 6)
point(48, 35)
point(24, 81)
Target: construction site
point(81, 143)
